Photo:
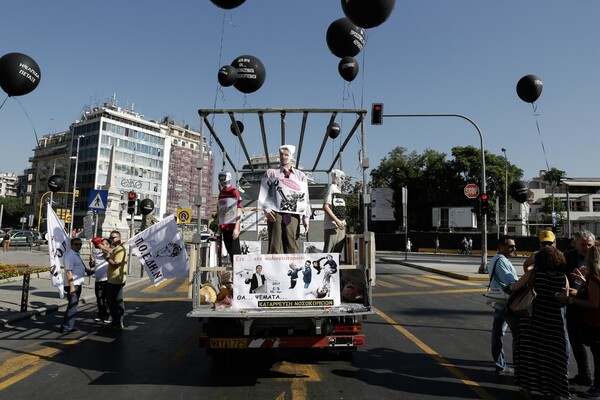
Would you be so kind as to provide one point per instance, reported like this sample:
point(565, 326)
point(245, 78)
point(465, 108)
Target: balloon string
point(540, 134)
point(219, 89)
point(2, 105)
point(37, 141)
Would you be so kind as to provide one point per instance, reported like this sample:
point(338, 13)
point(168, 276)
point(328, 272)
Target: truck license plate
point(226, 343)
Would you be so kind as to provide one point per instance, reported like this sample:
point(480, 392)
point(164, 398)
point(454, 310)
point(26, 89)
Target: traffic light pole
point(483, 266)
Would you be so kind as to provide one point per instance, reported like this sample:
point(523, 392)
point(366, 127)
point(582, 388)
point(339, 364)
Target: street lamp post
point(74, 186)
point(483, 267)
point(505, 192)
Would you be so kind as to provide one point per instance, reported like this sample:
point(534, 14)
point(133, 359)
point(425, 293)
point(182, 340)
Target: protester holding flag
point(58, 245)
point(117, 276)
point(161, 251)
point(99, 265)
point(75, 271)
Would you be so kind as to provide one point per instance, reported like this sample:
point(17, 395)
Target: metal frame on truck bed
point(332, 326)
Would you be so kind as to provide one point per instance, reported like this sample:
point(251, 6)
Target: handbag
point(521, 303)
point(495, 296)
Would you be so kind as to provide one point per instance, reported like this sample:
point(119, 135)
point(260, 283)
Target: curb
point(483, 277)
point(52, 308)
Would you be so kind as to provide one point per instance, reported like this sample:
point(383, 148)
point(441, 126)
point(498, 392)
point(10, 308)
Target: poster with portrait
point(283, 195)
point(286, 280)
point(250, 246)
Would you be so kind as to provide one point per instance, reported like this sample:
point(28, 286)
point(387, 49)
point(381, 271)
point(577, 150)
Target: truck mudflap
point(325, 341)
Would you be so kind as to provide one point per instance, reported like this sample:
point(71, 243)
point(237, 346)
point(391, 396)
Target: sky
point(161, 58)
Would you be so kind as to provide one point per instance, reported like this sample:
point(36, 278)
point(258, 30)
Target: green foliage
point(13, 210)
point(559, 209)
point(435, 181)
point(354, 211)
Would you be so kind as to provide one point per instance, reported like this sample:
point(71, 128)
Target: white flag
point(161, 251)
point(58, 245)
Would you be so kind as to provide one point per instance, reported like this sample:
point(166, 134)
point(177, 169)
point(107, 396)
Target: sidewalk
point(43, 298)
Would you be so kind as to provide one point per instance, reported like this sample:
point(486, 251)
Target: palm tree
point(554, 177)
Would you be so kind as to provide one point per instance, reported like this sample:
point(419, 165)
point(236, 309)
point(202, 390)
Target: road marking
point(434, 281)
point(474, 386)
point(183, 288)
point(156, 300)
point(383, 283)
point(154, 289)
point(193, 339)
point(447, 278)
point(406, 281)
point(300, 374)
point(20, 367)
point(428, 292)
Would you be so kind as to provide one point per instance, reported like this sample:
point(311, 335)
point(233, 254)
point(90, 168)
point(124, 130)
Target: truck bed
point(344, 310)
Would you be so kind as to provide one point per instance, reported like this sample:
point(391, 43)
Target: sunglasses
point(547, 244)
point(75, 244)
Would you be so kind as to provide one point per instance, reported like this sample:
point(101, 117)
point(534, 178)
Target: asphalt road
point(430, 340)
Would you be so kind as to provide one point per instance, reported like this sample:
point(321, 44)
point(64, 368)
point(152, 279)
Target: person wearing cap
point(284, 228)
point(334, 206)
point(99, 266)
point(229, 205)
point(546, 238)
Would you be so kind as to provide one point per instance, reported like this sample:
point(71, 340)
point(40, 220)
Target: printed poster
point(286, 280)
point(227, 208)
point(283, 195)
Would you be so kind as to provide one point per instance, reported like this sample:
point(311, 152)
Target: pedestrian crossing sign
point(97, 200)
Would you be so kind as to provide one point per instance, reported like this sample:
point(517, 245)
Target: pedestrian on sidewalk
point(99, 266)
point(502, 273)
point(75, 271)
point(436, 244)
point(117, 276)
point(6, 242)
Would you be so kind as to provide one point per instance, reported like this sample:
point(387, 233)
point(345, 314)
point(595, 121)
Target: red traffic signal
point(377, 114)
point(485, 204)
point(131, 202)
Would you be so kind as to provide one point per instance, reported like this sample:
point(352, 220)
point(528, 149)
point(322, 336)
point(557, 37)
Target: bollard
point(25, 292)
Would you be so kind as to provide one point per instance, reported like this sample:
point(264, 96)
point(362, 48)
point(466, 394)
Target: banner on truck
point(286, 280)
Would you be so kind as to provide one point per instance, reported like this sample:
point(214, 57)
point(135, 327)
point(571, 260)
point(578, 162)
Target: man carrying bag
point(502, 274)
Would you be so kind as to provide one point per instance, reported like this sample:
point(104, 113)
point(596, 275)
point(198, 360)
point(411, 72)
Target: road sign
point(97, 200)
point(184, 215)
point(472, 191)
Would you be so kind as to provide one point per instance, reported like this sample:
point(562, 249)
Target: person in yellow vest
point(116, 256)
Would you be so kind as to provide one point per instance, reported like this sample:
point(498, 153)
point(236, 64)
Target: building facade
point(143, 161)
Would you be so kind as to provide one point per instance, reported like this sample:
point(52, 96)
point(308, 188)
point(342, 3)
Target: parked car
point(22, 238)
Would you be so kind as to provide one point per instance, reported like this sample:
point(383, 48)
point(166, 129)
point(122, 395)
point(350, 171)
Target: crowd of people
point(564, 319)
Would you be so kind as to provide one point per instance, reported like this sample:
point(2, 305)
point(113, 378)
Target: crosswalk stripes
point(420, 281)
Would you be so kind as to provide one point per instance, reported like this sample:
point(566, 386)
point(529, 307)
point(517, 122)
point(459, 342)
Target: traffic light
point(485, 204)
point(131, 202)
point(377, 114)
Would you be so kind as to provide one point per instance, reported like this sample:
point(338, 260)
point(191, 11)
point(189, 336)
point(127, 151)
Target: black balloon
point(19, 74)
point(368, 13)
point(239, 125)
point(251, 73)
point(227, 75)
point(56, 183)
point(344, 38)
point(529, 88)
point(519, 191)
point(146, 206)
point(227, 4)
point(334, 130)
point(348, 68)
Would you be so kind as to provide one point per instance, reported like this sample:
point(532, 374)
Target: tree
point(13, 210)
point(434, 181)
point(552, 204)
point(554, 177)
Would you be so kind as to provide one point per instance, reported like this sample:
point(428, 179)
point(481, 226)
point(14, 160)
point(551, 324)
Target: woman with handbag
point(541, 359)
point(590, 303)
